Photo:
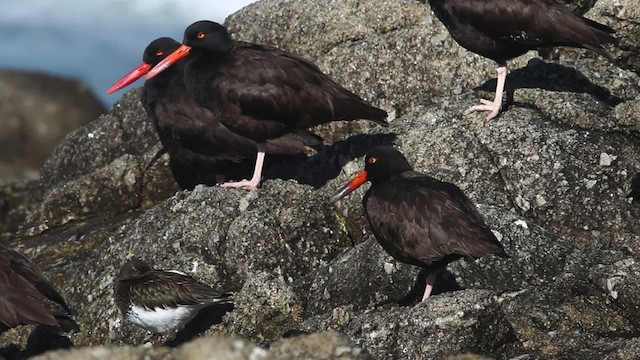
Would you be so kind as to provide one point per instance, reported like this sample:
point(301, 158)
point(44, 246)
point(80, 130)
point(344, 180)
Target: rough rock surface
point(36, 112)
point(550, 175)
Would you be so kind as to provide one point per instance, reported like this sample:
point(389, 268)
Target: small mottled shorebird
point(162, 301)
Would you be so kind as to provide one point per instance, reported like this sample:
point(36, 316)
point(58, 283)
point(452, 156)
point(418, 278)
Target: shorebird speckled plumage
point(162, 301)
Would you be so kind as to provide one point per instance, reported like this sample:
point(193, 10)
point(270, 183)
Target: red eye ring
point(159, 52)
point(201, 35)
point(372, 160)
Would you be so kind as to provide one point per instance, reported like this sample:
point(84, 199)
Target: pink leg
point(429, 280)
point(492, 106)
point(257, 172)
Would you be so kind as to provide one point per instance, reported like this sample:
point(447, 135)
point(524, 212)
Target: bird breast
point(162, 320)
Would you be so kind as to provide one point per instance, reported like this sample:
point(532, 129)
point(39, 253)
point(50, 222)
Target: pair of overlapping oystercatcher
point(232, 98)
point(262, 93)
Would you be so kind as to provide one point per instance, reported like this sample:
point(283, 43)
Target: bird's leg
point(492, 106)
point(429, 280)
point(257, 172)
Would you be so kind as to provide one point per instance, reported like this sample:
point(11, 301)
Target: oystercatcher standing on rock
point(504, 29)
point(417, 219)
point(259, 91)
point(196, 141)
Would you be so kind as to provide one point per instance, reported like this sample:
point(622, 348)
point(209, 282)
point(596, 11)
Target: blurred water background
point(95, 41)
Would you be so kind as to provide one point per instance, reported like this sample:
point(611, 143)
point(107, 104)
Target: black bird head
point(206, 36)
point(380, 164)
point(155, 52)
point(132, 269)
point(158, 50)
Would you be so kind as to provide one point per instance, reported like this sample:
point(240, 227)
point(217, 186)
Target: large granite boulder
point(36, 112)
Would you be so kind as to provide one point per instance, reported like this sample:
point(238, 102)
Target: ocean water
point(95, 41)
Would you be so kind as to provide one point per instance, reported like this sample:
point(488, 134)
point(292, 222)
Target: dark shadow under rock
point(539, 74)
point(326, 164)
point(199, 324)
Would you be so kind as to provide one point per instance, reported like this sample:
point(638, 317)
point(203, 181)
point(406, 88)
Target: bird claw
point(245, 184)
point(487, 105)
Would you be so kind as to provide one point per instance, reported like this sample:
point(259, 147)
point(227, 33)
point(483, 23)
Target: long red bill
point(360, 179)
point(171, 59)
point(134, 75)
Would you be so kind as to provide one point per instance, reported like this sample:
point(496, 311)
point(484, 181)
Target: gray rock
point(454, 323)
point(265, 309)
point(17, 200)
point(362, 277)
point(324, 345)
point(37, 111)
point(108, 156)
point(624, 17)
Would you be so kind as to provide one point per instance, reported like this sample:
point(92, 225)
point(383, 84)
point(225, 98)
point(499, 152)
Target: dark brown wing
point(421, 220)
point(27, 298)
point(168, 289)
point(184, 123)
point(519, 24)
point(264, 92)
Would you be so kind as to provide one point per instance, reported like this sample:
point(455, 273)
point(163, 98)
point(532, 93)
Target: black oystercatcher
point(417, 219)
point(162, 301)
point(28, 298)
point(192, 135)
point(635, 188)
point(259, 91)
point(504, 29)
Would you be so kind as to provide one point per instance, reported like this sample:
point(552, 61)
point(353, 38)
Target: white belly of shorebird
point(163, 320)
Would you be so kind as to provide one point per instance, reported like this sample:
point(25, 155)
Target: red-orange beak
point(134, 75)
point(360, 179)
point(178, 54)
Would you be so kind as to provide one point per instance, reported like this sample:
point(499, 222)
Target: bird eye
point(201, 35)
point(159, 52)
point(372, 160)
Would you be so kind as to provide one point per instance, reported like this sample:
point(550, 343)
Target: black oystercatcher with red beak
point(259, 91)
point(417, 219)
point(192, 135)
point(504, 29)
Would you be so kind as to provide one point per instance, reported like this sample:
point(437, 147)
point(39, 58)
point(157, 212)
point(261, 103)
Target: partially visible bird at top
point(504, 29)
